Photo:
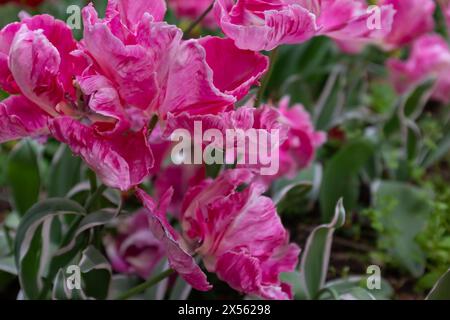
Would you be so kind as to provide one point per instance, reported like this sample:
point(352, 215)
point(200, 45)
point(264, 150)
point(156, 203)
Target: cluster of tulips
point(115, 97)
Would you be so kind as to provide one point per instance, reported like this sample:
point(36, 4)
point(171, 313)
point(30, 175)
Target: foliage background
point(387, 157)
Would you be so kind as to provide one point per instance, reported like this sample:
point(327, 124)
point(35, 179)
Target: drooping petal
point(179, 259)
point(20, 118)
point(122, 161)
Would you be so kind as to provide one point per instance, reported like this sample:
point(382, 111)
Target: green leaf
point(96, 273)
point(95, 277)
point(23, 176)
point(92, 220)
point(345, 285)
point(441, 290)
point(64, 173)
point(180, 290)
point(293, 197)
point(33, 247)
point(341, 176)
point(404, 213)
point(293, 278)
point(316, 254)
point(357, 294)
point(442, 149)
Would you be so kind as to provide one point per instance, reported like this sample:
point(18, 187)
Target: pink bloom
point(121, 161)
point(40, 61)
point(430, 58)
point(192, 9)
point(223, 74)
point(300, 147)
point(252, 126)
point(20, 118)
point(179, 178)
point(176, 251)
point(413, 19)
point(239, 234)
point(264, 25)
point(36, 68)
point(134, 250)
point(154, 71)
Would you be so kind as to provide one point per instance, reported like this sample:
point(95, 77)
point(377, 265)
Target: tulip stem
point(147, 284)
point(199, 19)
point(266, 79)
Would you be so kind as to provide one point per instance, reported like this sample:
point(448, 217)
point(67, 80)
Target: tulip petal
point(20, 118)
point(179, 260)
point(122, 161)
point(235, 70)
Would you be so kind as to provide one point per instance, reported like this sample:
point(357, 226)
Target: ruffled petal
point(34, 64)
point(264, 25)
point(20, 118)
point(190, 87)
point(243, 273)
point(235, 70)
point(130, 67)
point(122, 161)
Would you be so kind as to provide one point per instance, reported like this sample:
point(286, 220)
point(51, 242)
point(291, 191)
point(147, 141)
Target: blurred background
point(387, 155)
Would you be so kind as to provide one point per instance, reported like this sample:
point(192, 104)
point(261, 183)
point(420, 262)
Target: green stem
point(144, 286)
point(266, 80)
point(199, 19)
point(92, 181)
point(94, 197)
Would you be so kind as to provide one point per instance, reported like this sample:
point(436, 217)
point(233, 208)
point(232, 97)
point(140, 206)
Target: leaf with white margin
point(96, 273)
point(345, 285)
point(32, 242)
point(95, 278)
point(357, 294)
point(441, 290)
point(316, 255)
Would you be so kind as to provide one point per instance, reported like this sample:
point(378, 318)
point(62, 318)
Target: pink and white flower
point(265, 24)
point(429, 58)
point(134, 249)
point(238, 235)
point(413, 19)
